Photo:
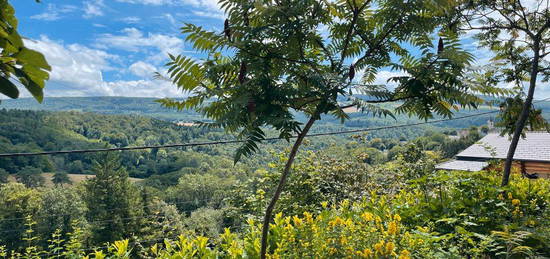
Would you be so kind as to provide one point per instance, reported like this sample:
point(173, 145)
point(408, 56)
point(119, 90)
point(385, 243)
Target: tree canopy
point(312, 56)
point(274, 58)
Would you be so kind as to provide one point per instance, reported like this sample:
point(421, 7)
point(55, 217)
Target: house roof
point(472, 166)
point(535, 147)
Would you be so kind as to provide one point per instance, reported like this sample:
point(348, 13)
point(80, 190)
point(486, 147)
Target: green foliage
point(60, 178)
point(16, 203)
point(18, 63)
point(514, 34)
point(59, 209)
point(112, 201)
point(510, 112)
point(4, 176)
point(469, 217)
point(30, 177)
point(275, 60)
point(194, 191)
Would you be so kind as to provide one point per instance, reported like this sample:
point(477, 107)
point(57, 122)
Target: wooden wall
point(542, 169)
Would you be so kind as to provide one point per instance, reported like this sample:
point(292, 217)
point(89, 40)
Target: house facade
point(532, 156)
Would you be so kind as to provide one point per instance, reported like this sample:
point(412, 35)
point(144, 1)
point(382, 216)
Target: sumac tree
point(275, 58)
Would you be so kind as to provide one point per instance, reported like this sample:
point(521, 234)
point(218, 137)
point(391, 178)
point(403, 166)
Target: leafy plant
point(276, 58)
point(18, 64)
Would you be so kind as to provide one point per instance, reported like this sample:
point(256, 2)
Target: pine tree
point(60, 178)
point(112, 201)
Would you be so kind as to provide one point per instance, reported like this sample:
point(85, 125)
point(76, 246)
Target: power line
point(111, 210)
point(241, 141)
point(233, 141)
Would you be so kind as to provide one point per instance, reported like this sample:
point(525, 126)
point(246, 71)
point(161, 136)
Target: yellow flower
point(344, 240)
point(367, 216)
point(348, 222)
point(345, 203)
point(337, 221)
point(365, 253)
point(500, 197)
point(404, 255)
point(379, 246)
point(324, 204)
point(397, 217)
point(510, 196)
point(250, 221)
point(392, 228)
point(389, 247)
point(308, 216)
point(515, 202)
point(297, 221)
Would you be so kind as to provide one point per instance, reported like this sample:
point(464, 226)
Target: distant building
point(532, 154)
point(490, 124)
point(185, 124)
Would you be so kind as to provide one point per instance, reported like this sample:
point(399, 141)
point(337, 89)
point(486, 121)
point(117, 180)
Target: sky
point(114, 47)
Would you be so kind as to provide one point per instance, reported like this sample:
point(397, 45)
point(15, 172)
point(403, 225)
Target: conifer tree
point(112, 200)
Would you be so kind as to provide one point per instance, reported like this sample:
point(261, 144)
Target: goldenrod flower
point(510, 196)
point(344, 240)
point(404, 255)
point(392, 228)
point(515, 202)
point(308, 216)
point(389, 247)
point(367, 216)
point(337, 221)
point(378, 247)
point(297, 221)
point(397, 217)
point(367, 253)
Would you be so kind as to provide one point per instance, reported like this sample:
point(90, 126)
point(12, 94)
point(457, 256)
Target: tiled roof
point(472, 166)
point(535, 147)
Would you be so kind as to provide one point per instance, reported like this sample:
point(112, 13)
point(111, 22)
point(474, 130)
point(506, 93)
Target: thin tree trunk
point(286, 172)
point(520, 124)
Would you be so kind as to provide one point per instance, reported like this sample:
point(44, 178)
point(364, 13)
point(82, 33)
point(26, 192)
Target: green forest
point(197, 198)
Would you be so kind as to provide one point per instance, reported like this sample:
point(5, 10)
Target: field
point(75, 178)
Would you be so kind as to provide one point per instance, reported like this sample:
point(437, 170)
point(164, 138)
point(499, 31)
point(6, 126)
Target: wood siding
point(542, 169)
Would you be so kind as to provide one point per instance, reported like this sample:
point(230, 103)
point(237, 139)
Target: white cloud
point(54, 12)
point(169, 18)
point(208, 8)
point(143, 69)
point(93, 8)
point(148, 2)
point(131, 19)
point(134, 40)
point(384, 75)
point(78, 70)
point(215, 15)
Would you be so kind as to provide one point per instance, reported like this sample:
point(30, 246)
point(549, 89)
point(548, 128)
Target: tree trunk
point(520, 124)
point(280, 186)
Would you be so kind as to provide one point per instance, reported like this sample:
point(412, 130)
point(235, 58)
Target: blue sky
point(113, 47)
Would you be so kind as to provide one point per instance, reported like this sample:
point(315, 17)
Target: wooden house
point(532, 156)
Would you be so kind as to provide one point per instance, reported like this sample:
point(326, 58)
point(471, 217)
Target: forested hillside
point(34, 131)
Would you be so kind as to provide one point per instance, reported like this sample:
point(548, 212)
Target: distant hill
point(149, 108)
point(105, 105)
